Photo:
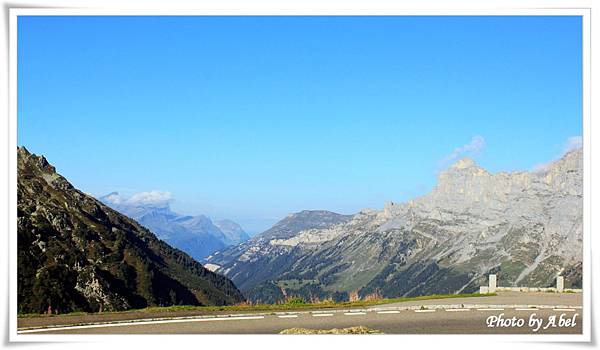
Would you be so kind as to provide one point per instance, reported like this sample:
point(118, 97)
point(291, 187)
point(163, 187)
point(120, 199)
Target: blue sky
point(252, 118)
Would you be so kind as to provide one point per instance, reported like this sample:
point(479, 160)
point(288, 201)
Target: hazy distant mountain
point(195, 235)
point(233, 232)
point(526, 227)
point(75, 253)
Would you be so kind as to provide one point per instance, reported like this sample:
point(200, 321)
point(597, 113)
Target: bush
point(294, 301)
point(376, 295)
point(245, 303)
point(353, 296)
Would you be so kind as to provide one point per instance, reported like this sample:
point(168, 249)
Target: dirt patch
point(350, 330)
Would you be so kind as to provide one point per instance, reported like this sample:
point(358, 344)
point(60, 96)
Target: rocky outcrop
point(304, 220)
point(526, 227)
point(76, 254)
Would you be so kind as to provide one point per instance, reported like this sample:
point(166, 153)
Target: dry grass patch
point(350, 330)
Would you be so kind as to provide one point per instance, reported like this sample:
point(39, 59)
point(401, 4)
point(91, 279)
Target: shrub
point(376, 295)
point(353, 296)
point(244, 303)
point(294, 301)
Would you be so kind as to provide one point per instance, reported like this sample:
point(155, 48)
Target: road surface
point(442, 316)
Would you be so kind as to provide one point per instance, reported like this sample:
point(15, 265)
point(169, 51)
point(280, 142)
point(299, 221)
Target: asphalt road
point(444, 316)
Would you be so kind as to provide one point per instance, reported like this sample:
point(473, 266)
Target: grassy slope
point(280, 307)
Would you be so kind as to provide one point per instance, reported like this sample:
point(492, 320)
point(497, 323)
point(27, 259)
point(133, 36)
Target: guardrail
point(560, 287)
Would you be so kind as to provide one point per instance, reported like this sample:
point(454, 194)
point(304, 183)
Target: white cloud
point(150, 198)
point(471, 149)
point(574, 142)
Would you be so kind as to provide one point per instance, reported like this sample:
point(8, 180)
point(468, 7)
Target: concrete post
point(492, 284)
point(560, 284)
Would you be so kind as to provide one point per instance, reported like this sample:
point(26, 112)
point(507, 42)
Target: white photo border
point(585, 13)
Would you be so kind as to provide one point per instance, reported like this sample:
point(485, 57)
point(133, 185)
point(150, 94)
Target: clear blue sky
point(252, 118)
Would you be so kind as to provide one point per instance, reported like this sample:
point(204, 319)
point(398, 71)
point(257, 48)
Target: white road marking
point(250, 317)
point(121, 324)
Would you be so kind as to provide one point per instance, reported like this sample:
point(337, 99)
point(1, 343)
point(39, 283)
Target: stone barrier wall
point(493, 288)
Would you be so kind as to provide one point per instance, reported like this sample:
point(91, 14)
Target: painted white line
point(287, 316)
point(354, 313)
point(389, 312)
point(322, 315)
point(526, 309)
point(491, 309)
point(424, 310)
point(457, 310)
point(559, 309)
point(233, 318)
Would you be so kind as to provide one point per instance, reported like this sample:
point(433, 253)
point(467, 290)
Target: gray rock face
point(526, 227)
point(195, 235)
point(304, 220)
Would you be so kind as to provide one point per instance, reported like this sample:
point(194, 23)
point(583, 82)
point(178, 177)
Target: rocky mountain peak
point(463, 163)
point(22, 151)
point(566, 173)
point(39, 162)
point(31, 166)
point(572, 160)
point(462, 170)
